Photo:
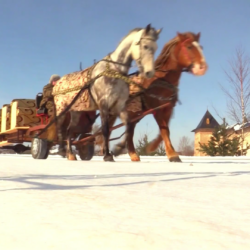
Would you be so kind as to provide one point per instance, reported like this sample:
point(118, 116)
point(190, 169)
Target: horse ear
point(158, 31)
point(147, 28)
point(198, 36)
point(181, 36)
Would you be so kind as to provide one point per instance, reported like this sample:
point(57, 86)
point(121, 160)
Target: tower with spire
point(204, 131)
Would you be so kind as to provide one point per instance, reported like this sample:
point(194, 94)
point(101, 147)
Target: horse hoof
point(134, 157)
point(72, 157)
point(108, 158)
point(175, 159)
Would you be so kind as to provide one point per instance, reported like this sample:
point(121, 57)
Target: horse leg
point(61, 143)
point(163, 121)
point(130, 144)
point(104, 113)
point(51, 135)
point(153, 145)
point(118, 148)
point(74, 119)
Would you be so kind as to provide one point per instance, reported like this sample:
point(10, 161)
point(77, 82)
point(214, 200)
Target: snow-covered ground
point(202, 203)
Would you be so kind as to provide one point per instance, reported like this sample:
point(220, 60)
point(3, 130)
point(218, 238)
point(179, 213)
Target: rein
point(138, 60)
point(117, 75)
point(161, 70)
point(166, 84)
point(111, 61)
point(183, 47)
point(108, 73)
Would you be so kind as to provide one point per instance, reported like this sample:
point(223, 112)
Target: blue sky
point(41, 38)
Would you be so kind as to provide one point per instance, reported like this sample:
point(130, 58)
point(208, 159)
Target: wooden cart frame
point(20, 122)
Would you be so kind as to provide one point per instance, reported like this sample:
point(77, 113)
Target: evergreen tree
point(220, 144)
point(141, 146)
point(161, 151)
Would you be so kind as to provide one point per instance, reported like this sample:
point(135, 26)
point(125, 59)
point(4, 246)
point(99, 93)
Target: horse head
point(189, 54)
point(143, 49)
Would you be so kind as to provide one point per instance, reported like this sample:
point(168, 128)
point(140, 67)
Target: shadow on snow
point(33, 180)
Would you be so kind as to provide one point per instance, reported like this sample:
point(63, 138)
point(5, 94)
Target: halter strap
point(184, 48)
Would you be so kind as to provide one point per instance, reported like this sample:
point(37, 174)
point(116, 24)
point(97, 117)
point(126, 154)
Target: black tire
point(39, 148)
point(86, 151)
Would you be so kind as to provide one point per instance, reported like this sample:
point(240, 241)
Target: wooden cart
point(21, 121)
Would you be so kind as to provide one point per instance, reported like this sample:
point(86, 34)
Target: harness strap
point(108, 73)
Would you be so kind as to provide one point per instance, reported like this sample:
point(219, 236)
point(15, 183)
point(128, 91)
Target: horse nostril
point(148, 74)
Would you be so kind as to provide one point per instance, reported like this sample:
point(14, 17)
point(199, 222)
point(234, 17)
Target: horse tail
point(153, 145)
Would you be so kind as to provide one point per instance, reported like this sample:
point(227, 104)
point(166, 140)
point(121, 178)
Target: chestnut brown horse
point(182, 53)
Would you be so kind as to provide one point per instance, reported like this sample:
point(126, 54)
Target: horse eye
point(145, 47)
point(189, 47)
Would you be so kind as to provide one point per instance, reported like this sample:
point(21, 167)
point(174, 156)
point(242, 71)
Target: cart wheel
point(39, 148)
point(86, 151)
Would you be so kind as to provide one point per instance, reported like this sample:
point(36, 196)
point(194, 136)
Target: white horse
point(109, 92)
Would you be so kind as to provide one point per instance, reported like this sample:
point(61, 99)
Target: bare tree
point(237, 89)
point(186, 147)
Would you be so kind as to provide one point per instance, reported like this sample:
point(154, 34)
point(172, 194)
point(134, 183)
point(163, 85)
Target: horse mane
point(130, 32)
point(165, 52)
point(152, 32)
point(168, 48)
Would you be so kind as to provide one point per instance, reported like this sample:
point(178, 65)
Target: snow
point(232, 126)
point(202, 203)
point(238, 126)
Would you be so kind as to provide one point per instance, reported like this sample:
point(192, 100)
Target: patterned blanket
point(135, 104)
point(69, 85)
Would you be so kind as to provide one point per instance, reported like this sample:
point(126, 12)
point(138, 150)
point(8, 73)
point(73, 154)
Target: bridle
point(139, 59)
point(187, 55)
point(184, 49)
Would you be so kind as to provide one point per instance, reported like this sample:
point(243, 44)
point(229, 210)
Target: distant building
point(208, 123)
point(204, 131)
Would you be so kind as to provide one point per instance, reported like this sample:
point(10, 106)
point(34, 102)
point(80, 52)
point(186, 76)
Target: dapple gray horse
point(109, 94)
